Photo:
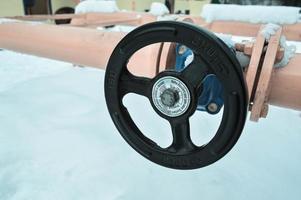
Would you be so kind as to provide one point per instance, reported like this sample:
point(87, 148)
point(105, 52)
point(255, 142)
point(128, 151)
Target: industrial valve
point(175, 94)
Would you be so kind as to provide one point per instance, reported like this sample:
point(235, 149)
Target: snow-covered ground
point(58, 142)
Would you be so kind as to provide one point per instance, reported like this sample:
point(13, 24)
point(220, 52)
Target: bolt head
point(169, 97)
point(212, 107)
point(182, 49)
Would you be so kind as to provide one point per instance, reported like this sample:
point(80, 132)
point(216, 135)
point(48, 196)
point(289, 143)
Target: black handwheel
point(177, 102)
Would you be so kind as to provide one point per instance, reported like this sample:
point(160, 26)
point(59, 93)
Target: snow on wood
point(289, 50)
point(158, 9)
point(252, 14)
point(96, 6)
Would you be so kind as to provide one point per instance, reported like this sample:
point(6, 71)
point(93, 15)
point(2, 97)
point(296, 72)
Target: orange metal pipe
point(93, 48)
point(70, 44)
point(286, 85)
point(79, 46)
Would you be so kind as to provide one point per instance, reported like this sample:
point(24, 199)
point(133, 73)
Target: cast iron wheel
point(179, 101)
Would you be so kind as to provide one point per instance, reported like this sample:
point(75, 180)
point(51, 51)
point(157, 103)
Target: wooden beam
point(254, 63)
point(262, 92)
point(46, 17)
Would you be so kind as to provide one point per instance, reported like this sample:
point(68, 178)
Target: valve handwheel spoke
point(174, 95)
point(181, 136)
point(132, 84)
point(196, 71)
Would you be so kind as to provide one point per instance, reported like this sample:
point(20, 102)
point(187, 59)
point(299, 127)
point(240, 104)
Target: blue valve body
point(212, 93)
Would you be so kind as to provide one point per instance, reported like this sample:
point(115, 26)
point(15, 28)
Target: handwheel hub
point(171, 96)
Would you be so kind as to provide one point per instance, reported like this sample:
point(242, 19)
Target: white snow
point(58, 142)
point(227, 39)
point(252, 14)
point(16, 71)
point(158, 9)
point(243, 59)
point(5, 20)
point(118, 28)
point(269, 30)
point(96, 6)
point(167, 18)
point(297, 44)
point(189, 60)
point(289, 52)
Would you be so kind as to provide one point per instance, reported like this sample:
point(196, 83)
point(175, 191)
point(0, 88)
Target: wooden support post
point(259, 108)
point(254, 63)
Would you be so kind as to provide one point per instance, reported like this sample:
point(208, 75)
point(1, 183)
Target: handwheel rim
point(223, 65)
